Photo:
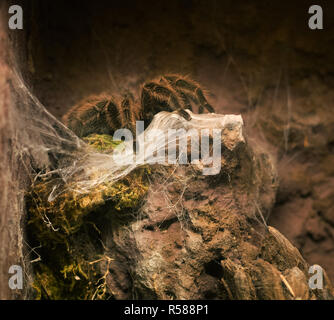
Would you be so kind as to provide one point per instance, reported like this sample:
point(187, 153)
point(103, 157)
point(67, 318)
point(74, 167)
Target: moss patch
point(67, 231)
point(101, 142)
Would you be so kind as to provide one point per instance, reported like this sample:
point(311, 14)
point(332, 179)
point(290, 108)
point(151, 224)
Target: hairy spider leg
point(85, 118)
point(128, 107)
point(115, 115)
point(191, 86)
point(157, 97)
point(185, 99)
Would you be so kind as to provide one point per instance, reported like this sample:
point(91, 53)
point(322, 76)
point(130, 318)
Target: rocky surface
point(203, 237)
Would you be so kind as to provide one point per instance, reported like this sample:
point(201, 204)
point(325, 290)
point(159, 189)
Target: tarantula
point(104, 114)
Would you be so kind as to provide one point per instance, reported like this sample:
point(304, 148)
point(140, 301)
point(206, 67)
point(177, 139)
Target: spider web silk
point(48, 149)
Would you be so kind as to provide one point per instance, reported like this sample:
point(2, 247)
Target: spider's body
point(105, 114)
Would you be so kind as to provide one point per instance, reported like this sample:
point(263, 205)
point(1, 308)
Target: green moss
point(101, 142)
point(67, 230)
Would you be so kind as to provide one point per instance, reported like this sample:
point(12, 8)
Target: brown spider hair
point(173, 93)
point(102, 114)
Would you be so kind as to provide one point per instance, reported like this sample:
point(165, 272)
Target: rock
point(203, 237)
